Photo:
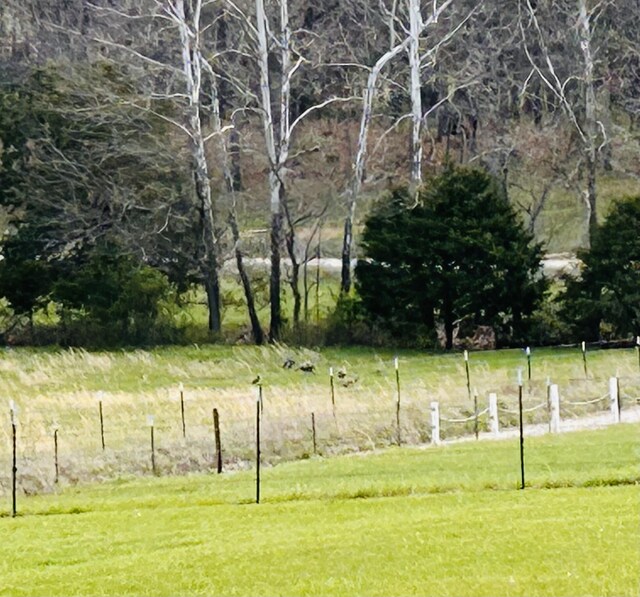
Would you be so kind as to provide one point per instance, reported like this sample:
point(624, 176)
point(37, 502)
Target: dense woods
point(148, 143)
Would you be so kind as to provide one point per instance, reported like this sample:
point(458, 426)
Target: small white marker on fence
point(466, 356)
point(330, 371)
point(554, 399)
point(150, 420)
point(613, 394)
point(395, 363)
point(494, 424)
point(435, 423)
point(519, 376)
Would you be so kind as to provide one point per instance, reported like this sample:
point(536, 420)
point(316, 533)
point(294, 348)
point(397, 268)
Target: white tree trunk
point(365, 120)
point(590, 115)
point(192, 70)
point(415, 20)
point(275, 182)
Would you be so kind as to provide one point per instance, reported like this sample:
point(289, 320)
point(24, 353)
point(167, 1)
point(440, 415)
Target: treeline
point(141, 140)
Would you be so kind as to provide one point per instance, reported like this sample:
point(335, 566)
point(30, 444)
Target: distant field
point(440, 521)
point(61, 388)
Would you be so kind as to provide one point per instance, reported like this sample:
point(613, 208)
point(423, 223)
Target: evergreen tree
point(608, 292)
point(456, 252)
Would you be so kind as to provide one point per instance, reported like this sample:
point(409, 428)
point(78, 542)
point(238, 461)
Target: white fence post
point(554, 399)
point(613, 394)
point(435, 423)
point(494, 425)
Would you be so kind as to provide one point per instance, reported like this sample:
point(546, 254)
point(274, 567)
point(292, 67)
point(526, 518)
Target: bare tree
point(231, 180)
point(580, 108)
point(418, 27)
point(188, 20)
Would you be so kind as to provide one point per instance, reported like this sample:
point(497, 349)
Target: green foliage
point(113, 293)
point(605, 300)
point(454, 252)
point(25, 279)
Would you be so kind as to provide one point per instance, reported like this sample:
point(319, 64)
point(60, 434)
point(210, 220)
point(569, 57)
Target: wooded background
point(182, 134)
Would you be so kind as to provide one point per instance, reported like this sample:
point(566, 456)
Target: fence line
point(80, 454)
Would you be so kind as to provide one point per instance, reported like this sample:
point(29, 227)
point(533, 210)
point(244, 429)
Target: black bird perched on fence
point(307, 367)
point(288, 364)
point(257, 380)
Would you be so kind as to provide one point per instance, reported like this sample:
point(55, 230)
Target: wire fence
point(50, 453)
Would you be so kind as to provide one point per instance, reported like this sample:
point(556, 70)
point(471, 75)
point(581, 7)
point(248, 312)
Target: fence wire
point(127, 441)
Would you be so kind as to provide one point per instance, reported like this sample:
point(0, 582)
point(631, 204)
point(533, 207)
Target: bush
point(117, 300)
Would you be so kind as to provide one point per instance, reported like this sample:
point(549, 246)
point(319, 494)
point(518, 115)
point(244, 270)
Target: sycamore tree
point(458, 253)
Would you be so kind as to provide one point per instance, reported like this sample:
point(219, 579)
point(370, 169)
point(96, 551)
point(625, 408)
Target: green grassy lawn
point(445, 521)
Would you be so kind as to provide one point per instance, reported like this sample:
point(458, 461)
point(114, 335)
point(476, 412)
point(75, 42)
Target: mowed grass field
point(406, 521)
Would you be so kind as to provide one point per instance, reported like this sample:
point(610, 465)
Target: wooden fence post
point(333, 392)
point(216, 434)
point(100, 396)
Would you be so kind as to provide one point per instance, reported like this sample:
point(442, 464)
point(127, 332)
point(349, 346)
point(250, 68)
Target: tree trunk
point(210, 264)
point(416, 96)
point(358, 165)
point(233, 184)
point(590, 118)
point(345, 277)
point(274, 278)
point(295, 281)
point(192, 65)
point(212, 288)
point(447, 315)
point(277, 148)
point(591, 196)
point(256, 328)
